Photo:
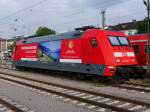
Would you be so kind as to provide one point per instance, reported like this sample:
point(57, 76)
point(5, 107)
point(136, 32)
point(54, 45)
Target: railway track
point(126, 85)
point(92, 100)
point(134, 86)
point(137, 84)
point(9, 105)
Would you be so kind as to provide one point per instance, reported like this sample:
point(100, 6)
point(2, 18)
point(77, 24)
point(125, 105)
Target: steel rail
point(10, 106)
point(132, 88)
point(136, 84)
point(85, 91)
point(103, 105)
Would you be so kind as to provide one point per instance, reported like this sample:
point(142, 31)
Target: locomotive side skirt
point(71, 67)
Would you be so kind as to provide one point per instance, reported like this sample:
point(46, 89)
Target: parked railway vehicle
point(141, 49)
point(86, 50)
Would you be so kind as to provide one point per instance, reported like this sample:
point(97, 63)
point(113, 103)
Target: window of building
point(136, 49)
point(94, 42)
point(130, 33)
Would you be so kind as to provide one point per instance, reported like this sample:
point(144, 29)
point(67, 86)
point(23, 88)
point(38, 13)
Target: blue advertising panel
point(49, 51)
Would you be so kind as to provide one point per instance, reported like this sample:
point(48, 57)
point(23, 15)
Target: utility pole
point(148, 36)
point(103, 18)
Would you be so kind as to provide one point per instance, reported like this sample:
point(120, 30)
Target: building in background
point(3, 45)
point(12, 41)
point(129, 28)
point(3, 50)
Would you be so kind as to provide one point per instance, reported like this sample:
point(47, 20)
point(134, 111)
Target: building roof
point(2, 39)
point(12, 39)
point(126, 26)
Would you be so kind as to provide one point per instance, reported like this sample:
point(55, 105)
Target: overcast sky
point(19, 17)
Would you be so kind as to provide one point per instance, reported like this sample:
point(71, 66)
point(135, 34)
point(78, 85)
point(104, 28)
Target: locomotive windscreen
point(119, 41)
point(123, 41)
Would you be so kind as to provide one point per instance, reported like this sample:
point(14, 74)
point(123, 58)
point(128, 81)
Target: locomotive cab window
point(118, 41)
point(147, 49)
point(94, 42)
point(114, 41)
point(136, 49)
point(123, 41)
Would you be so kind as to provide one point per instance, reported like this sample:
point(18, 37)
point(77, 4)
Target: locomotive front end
point(124, 57)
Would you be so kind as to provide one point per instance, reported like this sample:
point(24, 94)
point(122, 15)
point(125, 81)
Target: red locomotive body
point(26, 52)
point(139, 43)
point(93, 51)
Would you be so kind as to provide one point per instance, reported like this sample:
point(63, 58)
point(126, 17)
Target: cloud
point(126, 11)
point(65, 14)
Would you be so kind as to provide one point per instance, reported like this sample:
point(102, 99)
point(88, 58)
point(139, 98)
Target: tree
point(41, 31)
point(142, 27)
point(11, 45)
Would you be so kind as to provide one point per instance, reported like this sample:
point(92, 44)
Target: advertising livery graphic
point(49, 51)
point(28, 52)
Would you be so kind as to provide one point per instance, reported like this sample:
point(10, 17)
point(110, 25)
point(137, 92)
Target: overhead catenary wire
point(61, 24)
point(79, 11)
point(89, 18)
point(68, 15)
point(39, 3)
point(71, 22)
point(21, 10)
point(109, 17)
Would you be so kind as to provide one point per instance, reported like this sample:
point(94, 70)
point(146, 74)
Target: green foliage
point(44, 57)
point(11, 46)
point(42, 31)
point(142, 27)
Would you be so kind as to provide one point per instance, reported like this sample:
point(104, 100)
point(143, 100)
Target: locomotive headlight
point(118, 60)
point(110, 67)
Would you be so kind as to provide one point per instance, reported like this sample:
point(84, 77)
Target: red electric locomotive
point(87, 50)
point(141, 49)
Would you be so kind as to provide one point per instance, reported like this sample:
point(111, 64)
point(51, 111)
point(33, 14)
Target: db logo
point(70, 44)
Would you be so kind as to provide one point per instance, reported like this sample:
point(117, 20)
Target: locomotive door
point(87, 51)
point(137, 51)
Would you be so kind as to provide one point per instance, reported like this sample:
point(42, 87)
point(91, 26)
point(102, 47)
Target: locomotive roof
point(67, 35)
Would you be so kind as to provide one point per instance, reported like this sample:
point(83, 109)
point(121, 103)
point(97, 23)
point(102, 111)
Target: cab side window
point(94, 42)
point(136, 49)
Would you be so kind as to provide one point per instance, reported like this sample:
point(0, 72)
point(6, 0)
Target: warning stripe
point(71, 60)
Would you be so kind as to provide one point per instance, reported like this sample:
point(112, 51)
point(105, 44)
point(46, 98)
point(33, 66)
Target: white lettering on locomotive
point(28, 47)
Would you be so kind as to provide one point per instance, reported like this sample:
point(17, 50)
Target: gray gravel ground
point(37, 102)
point(87, 85)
